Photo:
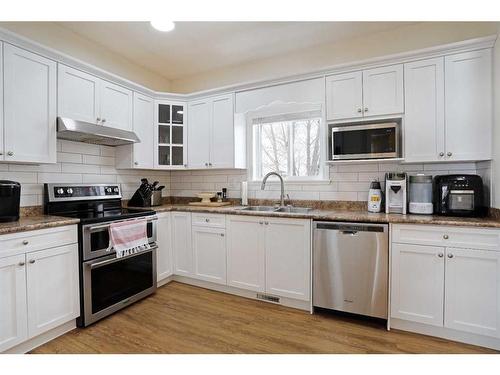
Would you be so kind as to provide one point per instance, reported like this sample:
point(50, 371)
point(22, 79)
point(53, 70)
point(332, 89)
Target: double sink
point(284, 209)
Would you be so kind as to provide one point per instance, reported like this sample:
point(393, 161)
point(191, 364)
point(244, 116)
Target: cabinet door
point(468, 105)
point(246, 253)
point(199, 134)
point(222, 132)
point(472, 301)
point(30, 102)
point(383, 90)
point(53, 290)
point(344, 96)
point(77, 94)
point(13, 320)
point(164, 241)
point(424, 110)
point(181, 243)
point(417, 284)
point(2, 152)
point(143, 152)
point(116, 106)
point(209, 249)
point(288, 258)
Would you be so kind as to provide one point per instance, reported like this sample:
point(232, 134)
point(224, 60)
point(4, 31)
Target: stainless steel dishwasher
point(350, 267)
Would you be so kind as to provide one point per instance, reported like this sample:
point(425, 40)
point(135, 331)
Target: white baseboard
point(42, 338)
point(446, 333)
point(289, 302)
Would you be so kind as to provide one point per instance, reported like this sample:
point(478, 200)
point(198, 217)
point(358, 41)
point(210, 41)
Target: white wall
point(64, 40)
point(77, 163)
point(402, 39)
point(496, 123)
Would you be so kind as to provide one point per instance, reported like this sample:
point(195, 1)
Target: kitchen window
point(289, 144)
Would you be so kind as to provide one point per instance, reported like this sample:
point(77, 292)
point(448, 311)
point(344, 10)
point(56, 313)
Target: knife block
point(140, 200)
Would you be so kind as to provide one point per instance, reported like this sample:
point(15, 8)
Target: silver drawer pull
point(32, 261)
point(22, 264)
point(25, 242)
point(207, 220)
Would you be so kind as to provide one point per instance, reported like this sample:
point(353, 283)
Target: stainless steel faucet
point(263, 186)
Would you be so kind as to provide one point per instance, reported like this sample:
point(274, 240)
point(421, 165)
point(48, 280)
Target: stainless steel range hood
point(87, 132)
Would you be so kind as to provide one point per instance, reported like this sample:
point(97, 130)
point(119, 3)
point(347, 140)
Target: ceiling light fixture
point(163, 25)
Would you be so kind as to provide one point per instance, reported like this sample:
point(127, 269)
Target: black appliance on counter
point(107, 283)
point(146, 195)
point(459, 195)
point(10, 196)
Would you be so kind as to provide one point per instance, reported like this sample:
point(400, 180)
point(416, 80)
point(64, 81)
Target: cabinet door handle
point(98, 119)
point(222, 234)
point(25, 242)
point(366, 109)
point(210, 164)
point(441, 154)
point(446, 237)
point(21, 264)
point(103, 120)
point(136, 163)
point(32, 261)
point(267, 223)
point(440, 255)
point(10, 153)
point(449, 153)
point(207, 220)
point(360, 110)
point(450, 255)
point(206, 164)
point(261, 222)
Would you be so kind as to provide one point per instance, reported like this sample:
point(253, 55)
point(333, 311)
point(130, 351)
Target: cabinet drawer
point(209, 220)
point(462, 237)
point(37, 240)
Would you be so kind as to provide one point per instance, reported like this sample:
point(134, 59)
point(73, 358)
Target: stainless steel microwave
point(366, 141)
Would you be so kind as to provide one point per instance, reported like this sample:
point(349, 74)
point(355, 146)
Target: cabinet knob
point(103, 120)
point(267, 223)
point(1, 153)
point(21, 264)
point(261, 222)
point(136, 163)
point(449, 154)
point(366, 109)
point(446, 237)
point(440, 255)
point(25, 242)
point(207, 220)
point(441, 154)
point(98, 119)
point(32, 261)
point(206, 164)
point(210, 164)
point(10, 153)
point(450, 255)
point(185, 165)
point(360, 110)
point(222, 234)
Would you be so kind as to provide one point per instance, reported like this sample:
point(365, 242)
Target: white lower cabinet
point(417, 288)
point(164, 267)
point(270, 255)
point(13, 304)
point(209, 253)
point(288, 257)
point(472, 301)
point(52, 284)
point(454, 287)
point(182, 244)
point(246, 256)
point(39, 290)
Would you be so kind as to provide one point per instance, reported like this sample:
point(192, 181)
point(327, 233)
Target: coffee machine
point(395, 193)
point(459, 195)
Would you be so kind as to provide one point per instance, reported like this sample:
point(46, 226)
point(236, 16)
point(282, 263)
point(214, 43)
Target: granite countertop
point(348, 215)
point(35, 222)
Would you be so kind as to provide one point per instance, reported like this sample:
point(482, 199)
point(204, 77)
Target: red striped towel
point(129, 237)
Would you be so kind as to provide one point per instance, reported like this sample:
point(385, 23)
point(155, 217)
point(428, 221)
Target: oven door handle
point(105, 226)
point(114, 260)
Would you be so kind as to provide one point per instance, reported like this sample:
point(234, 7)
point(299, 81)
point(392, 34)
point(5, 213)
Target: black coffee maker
point(459, 195)
point(10, 195)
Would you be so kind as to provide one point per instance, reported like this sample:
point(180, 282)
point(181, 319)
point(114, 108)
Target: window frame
point(253, 146)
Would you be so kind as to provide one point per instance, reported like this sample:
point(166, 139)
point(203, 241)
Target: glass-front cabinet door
point(170, 145)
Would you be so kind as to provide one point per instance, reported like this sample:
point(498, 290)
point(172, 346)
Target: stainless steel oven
point(366, 141)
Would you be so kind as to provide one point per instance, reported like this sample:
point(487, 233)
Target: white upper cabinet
point(13, 303)
point(472, 302)
point(417, 283)
point(199, 130)
point(383, 91)
point(288, 257)
point(139, 155)
point(371, 92)
point(29, 93)
point(116, 106)
point(78, 95)
point(424, 110)
point(52, 285)
point(170, 133)
point(468, 105)
point(84, 97)
point(211, 133)
point(344, 96)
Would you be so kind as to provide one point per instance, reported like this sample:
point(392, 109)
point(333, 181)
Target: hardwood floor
point(185, 319)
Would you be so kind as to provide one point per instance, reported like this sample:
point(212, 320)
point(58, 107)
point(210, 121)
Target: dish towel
point(129, 237)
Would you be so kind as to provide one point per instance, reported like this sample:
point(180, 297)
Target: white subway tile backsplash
point(59, 177)
point(339, 176)
point(22, 177)
point(80, 148)
point(54, 168)
point(98, 160)
point(107, 151)
point(66, 157)
point(80, 168)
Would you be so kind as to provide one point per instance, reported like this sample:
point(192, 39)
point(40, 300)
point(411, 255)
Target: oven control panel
point(86, 191)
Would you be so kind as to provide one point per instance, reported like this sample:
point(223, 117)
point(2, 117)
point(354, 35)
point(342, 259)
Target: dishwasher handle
point(351, 228)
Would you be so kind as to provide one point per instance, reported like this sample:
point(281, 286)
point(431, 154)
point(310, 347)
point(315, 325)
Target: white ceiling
point(195, 47)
